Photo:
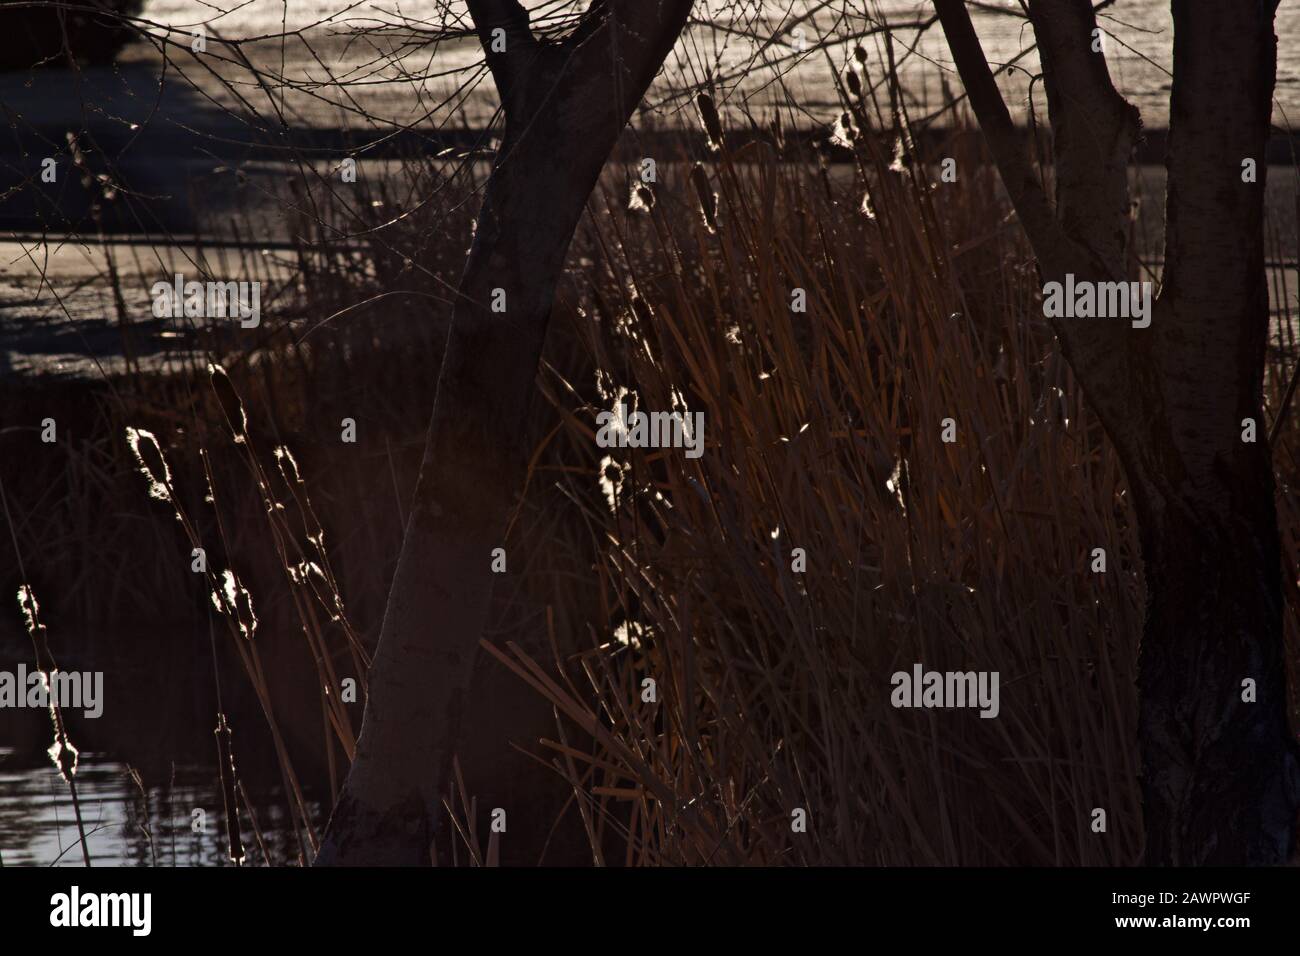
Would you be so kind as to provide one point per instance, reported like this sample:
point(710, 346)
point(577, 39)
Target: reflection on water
point(130, 821)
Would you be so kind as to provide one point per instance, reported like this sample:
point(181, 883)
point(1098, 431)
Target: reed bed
point(823, 432)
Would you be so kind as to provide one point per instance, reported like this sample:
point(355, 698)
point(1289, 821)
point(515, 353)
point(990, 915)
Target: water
point(168, 136)
point(1139, 49)
point(149, 762)
point(129, 821)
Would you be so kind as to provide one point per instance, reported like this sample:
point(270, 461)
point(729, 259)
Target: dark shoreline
point(231, 141)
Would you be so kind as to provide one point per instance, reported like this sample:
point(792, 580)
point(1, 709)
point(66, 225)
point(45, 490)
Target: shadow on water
point(48, 34)
point(128, 148)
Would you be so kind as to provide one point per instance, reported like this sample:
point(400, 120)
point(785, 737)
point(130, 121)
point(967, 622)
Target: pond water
point(1138, 46)
point(130, 818)
point(148, 762)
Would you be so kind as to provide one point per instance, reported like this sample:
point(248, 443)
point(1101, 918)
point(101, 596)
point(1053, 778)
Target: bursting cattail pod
point(30, 608)
point(709, 117)
point(233, 600)
point(288, 465)
point(145, 448)
point(642, 198)
point(229, 399)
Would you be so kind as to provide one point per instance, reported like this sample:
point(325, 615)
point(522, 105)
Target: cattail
point(229, 783)
point(63, 753)
point(853, 83)
point(708, 198)
point(630, 634)
point(903, 150)
point(31, 610)
point(641, 309)
point(234, 600)
point(866, 208)
point(846, 125)
point(642, 198)
point(145, 448)
point(288, 465)
point(709, 116)
point(229, 399)
point(612, 475)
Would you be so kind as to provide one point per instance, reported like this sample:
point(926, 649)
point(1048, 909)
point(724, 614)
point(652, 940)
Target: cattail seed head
point(145, 448)
point(31, 610)
point(853, 83)
point(709, 116)
point(708, 198)
point(229, 399)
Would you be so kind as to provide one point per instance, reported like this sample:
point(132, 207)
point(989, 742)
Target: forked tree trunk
point(1219, 772)
point(565, 106)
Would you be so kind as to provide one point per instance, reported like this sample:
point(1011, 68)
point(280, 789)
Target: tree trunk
point(565, 106)
point(1217, 769)
point(1219, 773)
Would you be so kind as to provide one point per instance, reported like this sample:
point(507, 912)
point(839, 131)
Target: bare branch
point(1094, 129)
point(508, 43)
point(1004, 139)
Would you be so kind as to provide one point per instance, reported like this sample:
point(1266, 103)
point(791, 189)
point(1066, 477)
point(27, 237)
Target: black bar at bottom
point(661, 907)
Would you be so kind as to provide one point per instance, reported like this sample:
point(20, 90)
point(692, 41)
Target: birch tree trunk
point(565, 105)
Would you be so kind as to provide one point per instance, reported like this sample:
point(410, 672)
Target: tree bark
point(1219, 774)
point(565, 106)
